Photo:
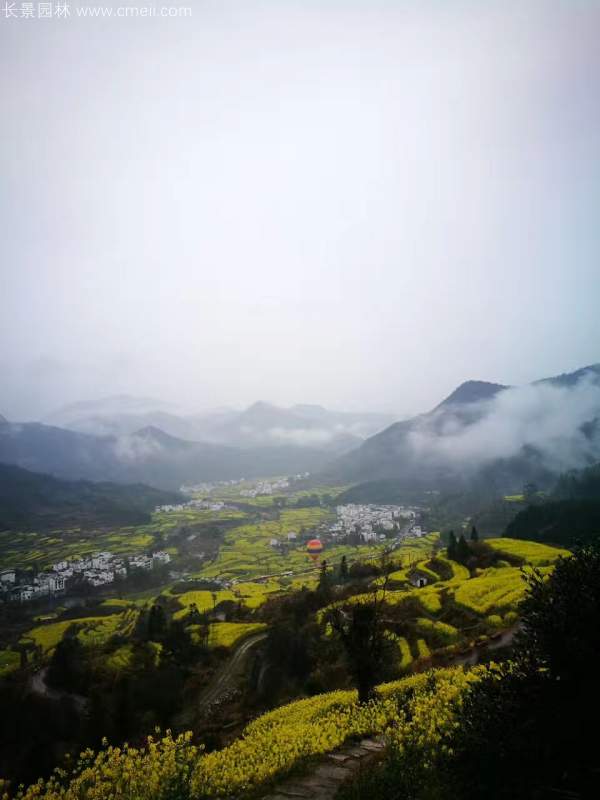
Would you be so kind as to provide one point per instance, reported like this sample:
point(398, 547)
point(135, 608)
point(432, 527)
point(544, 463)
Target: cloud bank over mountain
point(556, 421)
point(530, 431)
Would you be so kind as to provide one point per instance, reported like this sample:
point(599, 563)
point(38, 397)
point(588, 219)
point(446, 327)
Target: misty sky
point(360, 204)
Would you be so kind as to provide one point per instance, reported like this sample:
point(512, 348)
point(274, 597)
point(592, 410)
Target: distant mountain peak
point(153, 434)
point(261, 405)
point(472, 392)
point(3, 420)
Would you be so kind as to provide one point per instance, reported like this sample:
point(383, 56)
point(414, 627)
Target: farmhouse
point(8, 576)
point(418, 578)
point(140, 562)
point(49, 582)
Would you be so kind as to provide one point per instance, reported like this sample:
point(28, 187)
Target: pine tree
point(452, 545)
point(324, 587)
point(343, 569)
point(474, 534)
point(463, 551)
point(157, 623)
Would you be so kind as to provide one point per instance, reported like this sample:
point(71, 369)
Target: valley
point(294, 611)
point(234, 576)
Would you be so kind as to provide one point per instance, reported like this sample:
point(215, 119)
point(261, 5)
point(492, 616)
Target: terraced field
point(92, 631)
point(534, 553)
point(227, 634)
point(448, 614)
point(9, 661)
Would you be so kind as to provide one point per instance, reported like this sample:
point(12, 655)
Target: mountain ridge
point(35, 501)
point(446, 446)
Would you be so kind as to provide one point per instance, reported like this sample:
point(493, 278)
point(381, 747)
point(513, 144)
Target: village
point(260, 488)
point(363, 524)
point(354, 523)
point(95, 570)
point(372, 522)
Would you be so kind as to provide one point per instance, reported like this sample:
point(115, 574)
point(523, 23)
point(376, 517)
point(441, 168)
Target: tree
point(67, 668)
point(528, 729)
point(157, 623)
point(324, 587)
point(343, 569)
point(463, 551)
point(452, 544)
point(360, 627)
point(474, 534)
point(362, 636)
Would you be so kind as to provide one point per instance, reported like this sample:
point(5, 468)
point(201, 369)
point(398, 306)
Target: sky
point(358, 204)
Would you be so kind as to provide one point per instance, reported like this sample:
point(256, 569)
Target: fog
point(359, 204)
point(554, 420)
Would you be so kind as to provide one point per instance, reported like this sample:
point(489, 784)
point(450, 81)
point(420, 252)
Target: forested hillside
point(32, 501)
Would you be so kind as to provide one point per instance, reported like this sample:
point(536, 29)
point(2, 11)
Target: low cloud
point(132, 449)
point(558, 422)
point(302, 437)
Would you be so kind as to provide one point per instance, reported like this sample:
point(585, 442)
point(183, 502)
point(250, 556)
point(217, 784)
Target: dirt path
point(472, 657)
point(325, 779)
point(225, 680)
point(227, 677)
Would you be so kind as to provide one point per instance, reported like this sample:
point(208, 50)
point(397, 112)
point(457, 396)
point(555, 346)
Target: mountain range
point(503, 434)
point(148, 456)
point(260, 425)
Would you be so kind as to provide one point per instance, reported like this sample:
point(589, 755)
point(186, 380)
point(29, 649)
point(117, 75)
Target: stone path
point(324, 781)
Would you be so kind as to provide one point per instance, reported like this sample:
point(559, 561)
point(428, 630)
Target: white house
point(418, 579)
point(50, 582)
point(101, 560)
point(292, 536)
point(23, 593)
point(99, 577)
point(119, 569)
point(160, 557)
point(140, 562)
point(274, 542)
point(8, 576)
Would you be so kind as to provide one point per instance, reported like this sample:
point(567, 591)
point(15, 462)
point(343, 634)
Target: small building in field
point(418, 579)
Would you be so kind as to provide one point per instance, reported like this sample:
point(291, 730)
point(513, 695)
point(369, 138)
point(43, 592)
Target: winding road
point(227, 677)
